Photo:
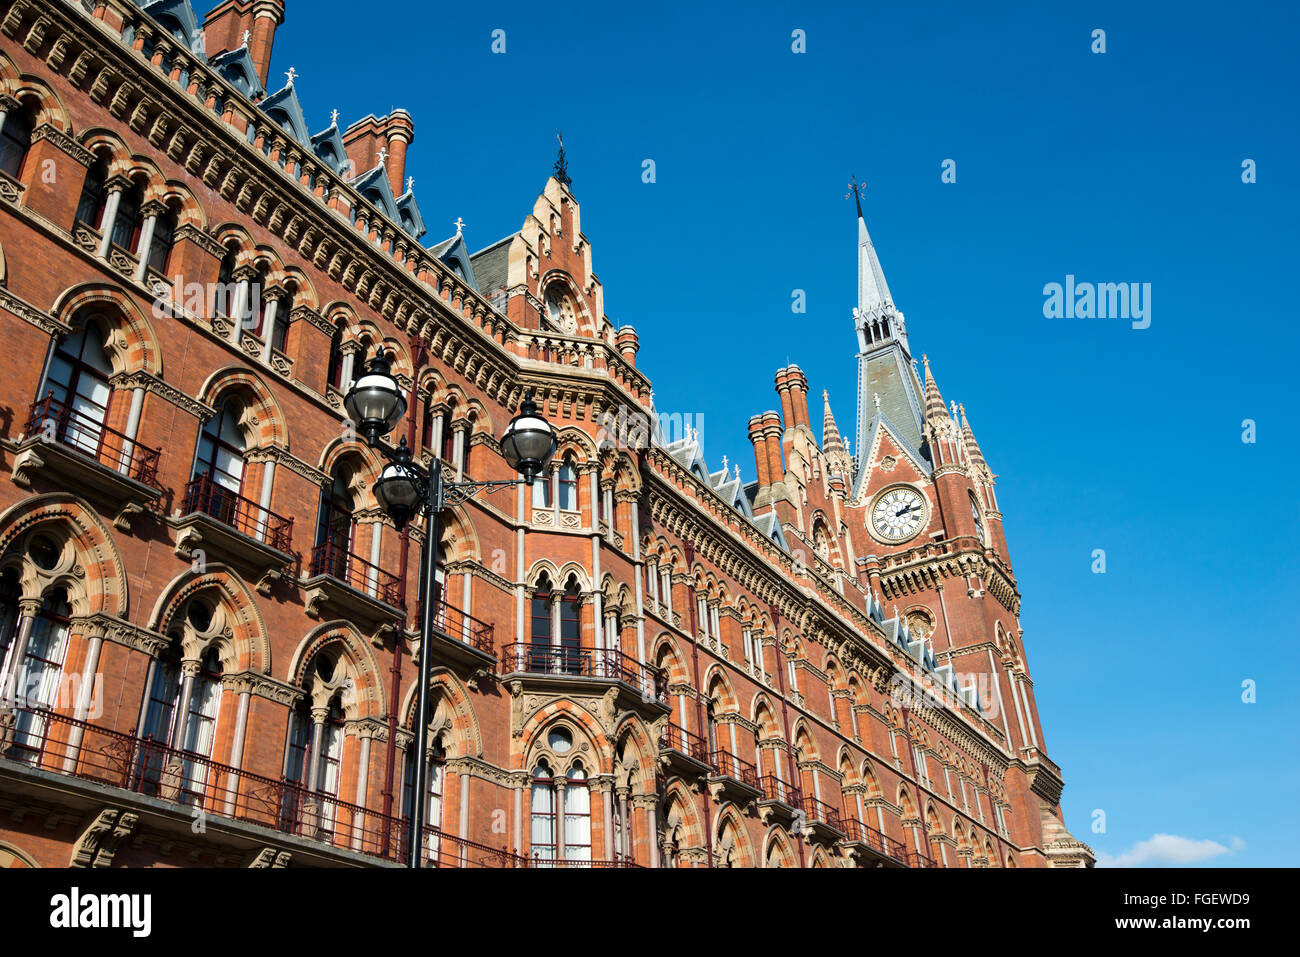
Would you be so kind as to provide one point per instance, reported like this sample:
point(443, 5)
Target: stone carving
point(100, 839)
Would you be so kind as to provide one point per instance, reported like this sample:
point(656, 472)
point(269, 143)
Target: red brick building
point(208, 625)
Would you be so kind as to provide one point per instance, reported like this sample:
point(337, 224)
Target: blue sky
point(1117, 167)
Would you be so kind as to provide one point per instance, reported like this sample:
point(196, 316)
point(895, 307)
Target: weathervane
point(855, 190)
point(561, 164)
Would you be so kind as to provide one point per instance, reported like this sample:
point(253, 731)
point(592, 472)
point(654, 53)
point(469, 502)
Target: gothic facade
point(209, 626)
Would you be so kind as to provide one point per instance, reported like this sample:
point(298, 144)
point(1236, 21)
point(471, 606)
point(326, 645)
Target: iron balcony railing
point(586, 663)
point(461, 625)
point(685, 742)
point(60, 744)
point(59, 422)
point(339, 563)
point(228, 507)
point(815, 810)
point(738, 769)
point(774, 789)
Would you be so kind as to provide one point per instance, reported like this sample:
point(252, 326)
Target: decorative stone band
point(64, 142)
point(263, 686)
point(141, 379)
point(29, 313)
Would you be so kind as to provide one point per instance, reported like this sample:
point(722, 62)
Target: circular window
point(560, 741)
point(199, 615)
point(44, 552)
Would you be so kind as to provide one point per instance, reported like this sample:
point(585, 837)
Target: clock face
point(898, 514)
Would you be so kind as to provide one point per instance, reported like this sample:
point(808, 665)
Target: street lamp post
point(404, 490)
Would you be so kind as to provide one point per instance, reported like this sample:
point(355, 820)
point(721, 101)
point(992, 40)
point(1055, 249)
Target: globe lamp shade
point(529, 441)
point(375, 401)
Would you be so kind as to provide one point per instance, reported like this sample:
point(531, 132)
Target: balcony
point(736, 780)
point(40, 743)
point(327, 830)
point(342, 585)
point(683, 752)
point(460, 637)
point(779, 800)
point(74, 450)
point(226, 526)
point(872, 847)
point(565, 669)
point(820, 818)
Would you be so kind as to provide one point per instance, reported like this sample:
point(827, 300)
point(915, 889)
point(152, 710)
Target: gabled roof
point(454, 253)
point(178, 17)
point(238, 69)
point(283, 108)
point(374, 186)
point(328, 147)
point(918, 454)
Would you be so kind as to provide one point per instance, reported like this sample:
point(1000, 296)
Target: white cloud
point(1168, 850)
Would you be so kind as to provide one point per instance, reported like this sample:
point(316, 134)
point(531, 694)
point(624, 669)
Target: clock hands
point(904, 511)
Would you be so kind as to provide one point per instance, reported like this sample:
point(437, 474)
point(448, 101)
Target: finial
point(954, 408)
point(410, 183)
point(737, 471)
point(561, 164)
point(459, 224)
point(383, 155)
point(875, 397)
point(243, 41)
point(334, 117)
point(292, 74)
point(855, 190)
point(725, 466)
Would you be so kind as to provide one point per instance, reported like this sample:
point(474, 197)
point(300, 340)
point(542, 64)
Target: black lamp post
point(404, 490)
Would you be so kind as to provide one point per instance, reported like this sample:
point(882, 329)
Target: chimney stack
point(759, 441)
point(225, 25)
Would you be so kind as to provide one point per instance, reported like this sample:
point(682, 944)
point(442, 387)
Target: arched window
point(577, 816)
point(433, 812)
point(568, 486)
point(335, 526)
point(542, 490)
point(448, 453)
point(979, 520)
point(224, 300)
point(201, 725)
point(40, 671)
point(77, 382)
point(15, 140)
point(257, 303)
point(317, 779)
point(160, 246)
point(334, 372)
point(94, 195)
point(541, 622)
point(10, 592)
point(130, 217)
point(542, 830)
point(571, 628)
point(221, 448)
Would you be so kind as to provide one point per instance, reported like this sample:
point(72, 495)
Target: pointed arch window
point(977, 515)
point(257, 303)
point(334, 372)
point(15, 140)
point(160, 245)
point(77, 381)
point(130, 217)
point(10, 592)
point(335, 526)
point(221, 448)
point(94, 193)
point(577, 815)
point(433, 812)
point(40, 671)
point(568, 486)
point(542, 491)
point(570, 630)
point(164, 694)
point(543, 832)
point(201, 725)
point(541, 620)
point(227, 287)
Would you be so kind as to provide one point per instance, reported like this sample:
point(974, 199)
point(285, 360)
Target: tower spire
point(831, 441)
